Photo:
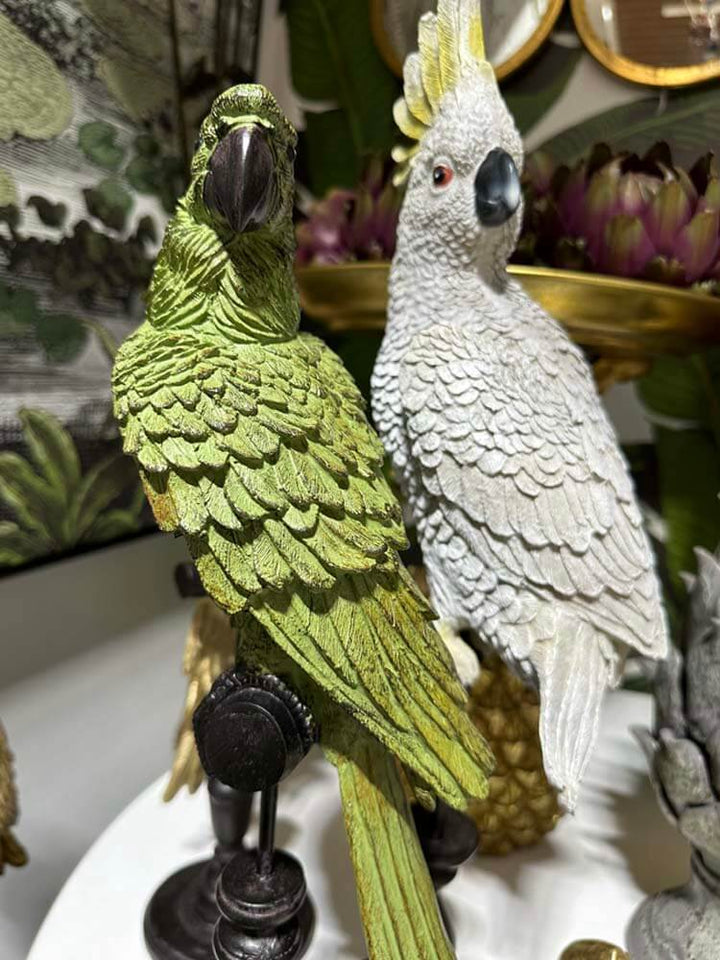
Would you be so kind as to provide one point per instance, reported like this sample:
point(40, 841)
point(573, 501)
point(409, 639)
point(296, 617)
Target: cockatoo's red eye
point(442, 175)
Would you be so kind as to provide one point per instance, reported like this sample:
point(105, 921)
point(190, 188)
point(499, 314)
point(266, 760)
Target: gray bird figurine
point(684, 759)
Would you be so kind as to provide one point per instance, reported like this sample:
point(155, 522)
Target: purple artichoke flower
point(624, 215)
point(351, 225)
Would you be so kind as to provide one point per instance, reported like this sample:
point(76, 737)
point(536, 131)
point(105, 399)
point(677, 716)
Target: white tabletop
point(91, 689)
point(584, 880)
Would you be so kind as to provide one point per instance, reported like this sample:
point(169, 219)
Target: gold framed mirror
point(514, 29)
point(664, 43)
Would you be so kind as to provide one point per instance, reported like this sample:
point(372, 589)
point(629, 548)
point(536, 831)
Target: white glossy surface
point(584, 880)
point(91, 731)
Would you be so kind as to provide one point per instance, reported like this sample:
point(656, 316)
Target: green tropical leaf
point(143, 174)
point(531, 92)
point(97, 140)
point(689, 467)
point(682, 397)
point(334, 58)
point(137, 501)
point(52, 450)
point(37, 505)
point(102, 484)
point(331, 158)
point(146, 145)
point(110, 202)
point(684, 389)
point(358, 351)
point(106, 340)
point(37, 99)
point(61, 336)
point(17, 546)
point(8, 189)
point(160, 176)
point(111, 525)
point(689, 120)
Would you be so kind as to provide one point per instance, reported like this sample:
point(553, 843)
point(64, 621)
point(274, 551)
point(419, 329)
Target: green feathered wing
point(261, 455)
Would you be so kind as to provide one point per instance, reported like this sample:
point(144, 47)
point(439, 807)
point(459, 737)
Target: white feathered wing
point(527, 517)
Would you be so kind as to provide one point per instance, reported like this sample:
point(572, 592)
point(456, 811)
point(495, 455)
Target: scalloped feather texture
point(261, 456)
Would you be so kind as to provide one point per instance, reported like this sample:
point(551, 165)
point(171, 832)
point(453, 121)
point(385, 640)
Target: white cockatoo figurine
point(524, 506)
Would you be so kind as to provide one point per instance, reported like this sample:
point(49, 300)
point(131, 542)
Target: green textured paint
point(252, 441)
point(385, 848)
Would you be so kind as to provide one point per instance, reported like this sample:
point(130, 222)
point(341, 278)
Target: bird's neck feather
point(243, 289)
point(432, 286)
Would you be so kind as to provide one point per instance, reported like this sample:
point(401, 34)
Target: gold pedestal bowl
point(623, 324)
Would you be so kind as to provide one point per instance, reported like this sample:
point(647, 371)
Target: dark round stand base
point(291, 941)
point(266, 912)
point(181, 916)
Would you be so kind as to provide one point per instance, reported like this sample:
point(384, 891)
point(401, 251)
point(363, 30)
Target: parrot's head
point(242, 178)
point(463, 193)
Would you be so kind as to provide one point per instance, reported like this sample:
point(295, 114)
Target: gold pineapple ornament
point(11, 852)
point(521, 806)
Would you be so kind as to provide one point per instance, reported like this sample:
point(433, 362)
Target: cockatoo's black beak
point(240, 182)
point(497, 189)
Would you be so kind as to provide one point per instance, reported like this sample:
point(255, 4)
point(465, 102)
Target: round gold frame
point(513, 63)
point(630, 69)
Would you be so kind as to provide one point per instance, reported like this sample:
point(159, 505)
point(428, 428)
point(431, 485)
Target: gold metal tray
point(617, 318)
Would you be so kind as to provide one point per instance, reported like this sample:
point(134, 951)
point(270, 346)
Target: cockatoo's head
point(463, 177)
point(242, 176)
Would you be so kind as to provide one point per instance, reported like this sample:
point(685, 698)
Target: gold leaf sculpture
point(209, 650)
point(11, 851)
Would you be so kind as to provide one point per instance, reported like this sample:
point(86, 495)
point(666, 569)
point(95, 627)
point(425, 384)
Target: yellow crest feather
point(476, 38)
point(450, 46)
point(430, 60)
point(415, 96)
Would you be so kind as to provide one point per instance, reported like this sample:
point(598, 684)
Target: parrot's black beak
point(240, 182)
point(497, 189)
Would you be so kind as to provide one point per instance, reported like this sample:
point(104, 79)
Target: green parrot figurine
point(252, 442)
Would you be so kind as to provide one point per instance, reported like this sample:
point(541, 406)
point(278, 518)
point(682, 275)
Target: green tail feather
point(396, 895)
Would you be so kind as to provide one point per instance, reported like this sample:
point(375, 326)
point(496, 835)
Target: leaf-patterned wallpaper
point(92, 158)
point(95, 127)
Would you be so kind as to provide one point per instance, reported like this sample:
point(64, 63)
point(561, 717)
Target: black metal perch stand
point(252, 904)
point(253, 730)
point(241, 904)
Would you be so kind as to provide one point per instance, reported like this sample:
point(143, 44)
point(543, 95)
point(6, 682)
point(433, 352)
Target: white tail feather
point(573, 674)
